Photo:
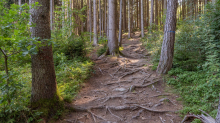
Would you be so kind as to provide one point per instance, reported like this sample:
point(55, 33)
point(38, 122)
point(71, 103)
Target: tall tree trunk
point(124, 15)
point(142, 20)
point(90, 18)
point(148, 9)
point(129, 19)
point(95, 41)
point(44, 85)
point(137, 13)
point(167, 50)
point(152, 13)
point(100, 19)
point(139, 19)
point(156, 12)
point(113, 48)
point(183, 9)
point(132, 15)
point(120, 24)
point(82, 23)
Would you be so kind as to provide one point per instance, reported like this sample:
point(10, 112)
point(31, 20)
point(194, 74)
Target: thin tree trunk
point(90, 18)
point(44, 85)
point(152, 13)
point(100, 19)
point(156, 12)
point(148, 9)
point(137, 13)
point(95, 41)
point(132, 15)
point(82, 26)
point(167, 50)
point(113, 48)
point(139, 19)
point(142, 20)
point(124, 15)
point(120, 24)
point(129, 19)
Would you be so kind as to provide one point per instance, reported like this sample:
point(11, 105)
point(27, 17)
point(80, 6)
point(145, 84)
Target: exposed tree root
point(151, 110)
point(138, 114)
point(161, 119)
point(118, 82)
point(161, 100)
point(114, 114)
point(113, 97)
point(141, 86)
point(161, 95)
point(129, 73)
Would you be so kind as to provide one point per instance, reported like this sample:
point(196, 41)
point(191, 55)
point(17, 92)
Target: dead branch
point(203, 118)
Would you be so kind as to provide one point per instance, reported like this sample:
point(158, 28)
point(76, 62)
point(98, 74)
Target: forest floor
point(125, 90)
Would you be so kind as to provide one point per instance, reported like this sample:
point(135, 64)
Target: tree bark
point(100, 19)
point(142, 20)
point(44, 85)
point(95, 41)
point(120, 24)
point(124, 15)
point(167, 50)
point(148, 17)
point(113, 48)
point(152, 13)
point(90, 18)
point(156, 12)
point(129, 19)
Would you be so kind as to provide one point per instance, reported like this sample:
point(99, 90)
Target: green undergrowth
point(195, 74)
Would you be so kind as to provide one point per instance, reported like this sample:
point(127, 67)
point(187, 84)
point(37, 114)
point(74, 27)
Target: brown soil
point(125, 90)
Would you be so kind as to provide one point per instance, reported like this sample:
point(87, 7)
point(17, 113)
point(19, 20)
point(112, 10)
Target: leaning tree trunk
point(113, 48)
point(95, 41)
point(142, 20)
point(166, 57)
point(44, 85)
point(120, 24)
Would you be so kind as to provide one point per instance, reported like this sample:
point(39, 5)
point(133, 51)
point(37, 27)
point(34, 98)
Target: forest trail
point(125, 90)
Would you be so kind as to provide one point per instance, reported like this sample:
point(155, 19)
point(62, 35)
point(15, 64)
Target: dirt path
point(125, 90)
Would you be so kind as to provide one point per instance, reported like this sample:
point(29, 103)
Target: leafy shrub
point(103, 43)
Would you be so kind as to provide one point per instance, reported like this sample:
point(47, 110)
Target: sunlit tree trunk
point(129, 19)
point(142, 20)
point(44, 85)
point(113, 48)
point(120, 24)
point(95, 41)
point(167, 50)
